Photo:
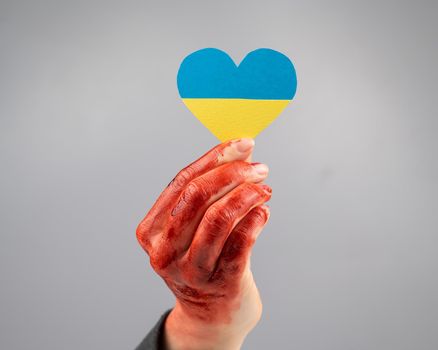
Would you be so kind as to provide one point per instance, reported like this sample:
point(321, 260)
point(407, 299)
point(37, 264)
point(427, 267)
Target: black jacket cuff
point(155, 338)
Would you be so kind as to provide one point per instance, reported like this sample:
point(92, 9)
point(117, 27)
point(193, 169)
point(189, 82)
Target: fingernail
point(261, 169)
point(243, 145)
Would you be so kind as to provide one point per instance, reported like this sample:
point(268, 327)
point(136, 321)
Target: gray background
point(92, 129)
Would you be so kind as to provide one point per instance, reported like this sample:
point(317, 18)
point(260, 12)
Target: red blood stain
point(210, 296)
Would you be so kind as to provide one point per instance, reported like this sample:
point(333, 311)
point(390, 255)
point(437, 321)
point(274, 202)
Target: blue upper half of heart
point(211, 73)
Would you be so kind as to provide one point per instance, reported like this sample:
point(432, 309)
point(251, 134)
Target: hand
point(199, 236)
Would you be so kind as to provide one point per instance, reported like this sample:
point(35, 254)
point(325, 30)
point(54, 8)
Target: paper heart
point(236, 101)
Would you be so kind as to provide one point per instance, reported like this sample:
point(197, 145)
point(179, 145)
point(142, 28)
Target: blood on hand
point(200, 231)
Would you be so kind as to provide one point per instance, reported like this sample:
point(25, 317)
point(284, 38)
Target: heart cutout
point(236, 101)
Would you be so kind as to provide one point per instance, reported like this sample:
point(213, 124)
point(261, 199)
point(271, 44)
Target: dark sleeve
point(154, 339)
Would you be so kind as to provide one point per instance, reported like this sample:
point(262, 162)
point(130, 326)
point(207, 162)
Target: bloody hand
point(199, 236)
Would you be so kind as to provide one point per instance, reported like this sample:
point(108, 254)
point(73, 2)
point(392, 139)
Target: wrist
point(188, 328)
point(182, 331)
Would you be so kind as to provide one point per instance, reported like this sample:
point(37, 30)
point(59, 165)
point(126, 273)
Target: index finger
point(225, 152)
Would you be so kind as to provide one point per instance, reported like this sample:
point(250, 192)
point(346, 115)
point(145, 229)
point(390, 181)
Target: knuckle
point(139, 232)
point(183, 177)
point(142, 237)
point(219, 216)
point(198, 191)
point(160, 260)
point(193, 189)
point(255, 190)
point(201, 187)
point(194, 195)
point(247, 192)
point(259, 216)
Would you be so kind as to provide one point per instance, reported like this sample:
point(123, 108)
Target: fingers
point(237, 248)
point(223, 153)
point(220, 219)
point(204, 191)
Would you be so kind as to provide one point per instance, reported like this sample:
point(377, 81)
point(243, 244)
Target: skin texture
point(199, 236)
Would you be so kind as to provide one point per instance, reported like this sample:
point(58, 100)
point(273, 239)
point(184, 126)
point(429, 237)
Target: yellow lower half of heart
point(230, 118)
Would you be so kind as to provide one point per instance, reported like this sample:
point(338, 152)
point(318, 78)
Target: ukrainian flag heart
point(236, 101)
